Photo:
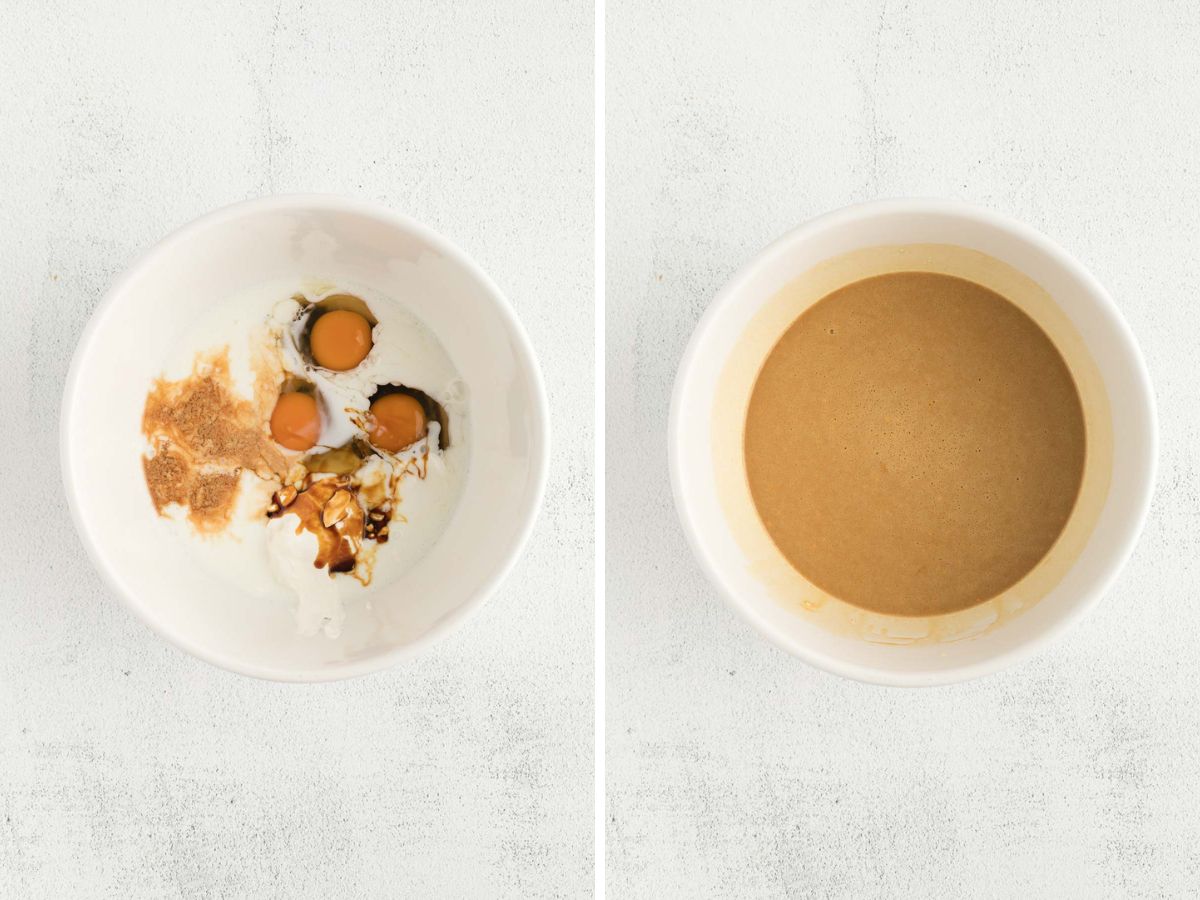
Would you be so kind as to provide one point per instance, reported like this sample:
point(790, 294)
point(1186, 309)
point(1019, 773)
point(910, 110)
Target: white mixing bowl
point(743, 323)
point(266, 241)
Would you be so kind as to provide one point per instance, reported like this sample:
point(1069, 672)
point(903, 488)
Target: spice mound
point(202, 437)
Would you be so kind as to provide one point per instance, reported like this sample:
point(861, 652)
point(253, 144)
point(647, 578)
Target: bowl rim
point(539, 444)
point(1105, 306)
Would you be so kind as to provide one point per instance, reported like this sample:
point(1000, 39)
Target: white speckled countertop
point(128, 769)
point(737, 771)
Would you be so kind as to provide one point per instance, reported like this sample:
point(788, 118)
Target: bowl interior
point(282, 241)
point(1107, 367)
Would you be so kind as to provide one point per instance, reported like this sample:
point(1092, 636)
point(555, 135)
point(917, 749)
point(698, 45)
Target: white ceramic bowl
point(709, 482)
point(266, 241)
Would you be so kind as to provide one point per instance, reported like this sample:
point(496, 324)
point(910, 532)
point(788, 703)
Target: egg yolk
point(295, 421)
point(397, 421)
point(340, 340)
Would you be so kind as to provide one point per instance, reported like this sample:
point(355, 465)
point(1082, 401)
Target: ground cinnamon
point(202, 437)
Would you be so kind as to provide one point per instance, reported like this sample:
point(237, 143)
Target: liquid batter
point(914, 444)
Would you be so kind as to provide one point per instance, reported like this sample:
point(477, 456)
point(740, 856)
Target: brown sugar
point(211, 499)
point(202, 437)
point(168, 477)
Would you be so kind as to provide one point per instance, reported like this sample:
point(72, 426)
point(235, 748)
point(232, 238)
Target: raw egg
point(295, 421)
point(397, 421)
point(340, 340)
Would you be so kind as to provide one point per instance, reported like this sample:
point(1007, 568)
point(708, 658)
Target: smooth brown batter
point(914, 444)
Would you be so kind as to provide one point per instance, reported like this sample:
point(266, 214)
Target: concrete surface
point(737, 771)
point(127, 769)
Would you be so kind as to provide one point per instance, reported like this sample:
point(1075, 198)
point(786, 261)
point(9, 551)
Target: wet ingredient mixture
point(914, 444)
point(327, 421)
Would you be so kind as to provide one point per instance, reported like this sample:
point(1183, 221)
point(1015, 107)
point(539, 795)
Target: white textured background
point(126, 768)
point(735, 770)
